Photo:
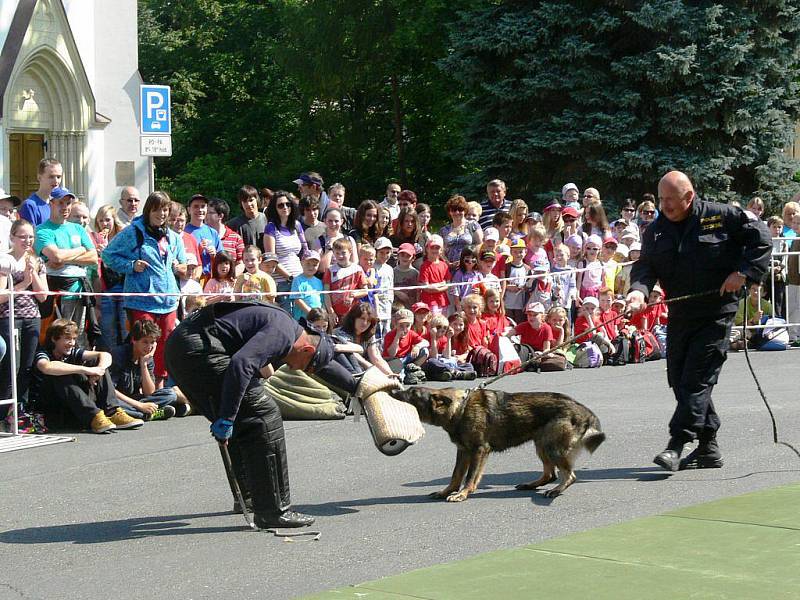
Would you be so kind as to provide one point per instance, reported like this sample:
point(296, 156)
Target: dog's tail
point(593, 436)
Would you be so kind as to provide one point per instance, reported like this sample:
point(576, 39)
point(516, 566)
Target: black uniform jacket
point(698, 255)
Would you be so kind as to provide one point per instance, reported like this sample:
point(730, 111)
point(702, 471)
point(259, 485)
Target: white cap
point(382, 243)
point(435, 240)
point(491, 233)
point(635, 246)
point(568, 187)
point(591, 300)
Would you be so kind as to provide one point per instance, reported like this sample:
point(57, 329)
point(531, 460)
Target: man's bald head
point(675, 195)
point(129, 201)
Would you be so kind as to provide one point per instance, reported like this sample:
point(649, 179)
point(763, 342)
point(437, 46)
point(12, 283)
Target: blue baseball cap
point(61, 192)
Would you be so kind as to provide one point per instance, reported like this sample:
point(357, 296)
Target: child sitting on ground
point(494, 316)
point(608, 316)
point(73, 382)
point(534, 331)
point(441, 364)
point(406, 346)
point(253, 279)
point(459, 340)
point(422, 314)
point(133, 373)
point(587, 319)
point(477, 330)
point(559, 323)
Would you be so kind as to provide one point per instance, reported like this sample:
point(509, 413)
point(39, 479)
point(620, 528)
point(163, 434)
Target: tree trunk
point(398, 133)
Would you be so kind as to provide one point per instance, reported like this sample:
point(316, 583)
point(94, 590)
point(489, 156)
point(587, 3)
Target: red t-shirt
point(441, 342)
point(191, 246)
point(478, 333)
point(583, 324)
point(233, 244)
point(345, 279)
point(429, 273)
point(534, 337)
point(496, 323)
point(499, 269)
point(405, 344)
point(610, 328)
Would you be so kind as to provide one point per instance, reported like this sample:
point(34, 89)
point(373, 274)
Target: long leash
point(758, 385)
point(571, 340)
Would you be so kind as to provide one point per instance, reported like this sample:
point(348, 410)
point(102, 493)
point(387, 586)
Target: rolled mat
point(394, 425)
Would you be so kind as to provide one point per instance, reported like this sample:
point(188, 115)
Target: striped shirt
point(489, 211)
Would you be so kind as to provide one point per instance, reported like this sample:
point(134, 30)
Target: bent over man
point(692, 247)
point(215, 357)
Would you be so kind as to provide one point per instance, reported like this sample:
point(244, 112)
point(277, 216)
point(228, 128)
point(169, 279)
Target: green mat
point(744, 547)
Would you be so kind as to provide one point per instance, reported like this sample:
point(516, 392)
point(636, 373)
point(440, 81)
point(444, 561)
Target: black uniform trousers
point(197, 361)
point(696, 351)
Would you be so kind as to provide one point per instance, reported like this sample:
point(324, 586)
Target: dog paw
point(457, 496)
point(526, 486)
point(439, 495)
point(552, 493)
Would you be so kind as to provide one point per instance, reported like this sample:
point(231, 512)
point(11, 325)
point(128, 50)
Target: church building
point(69, 88)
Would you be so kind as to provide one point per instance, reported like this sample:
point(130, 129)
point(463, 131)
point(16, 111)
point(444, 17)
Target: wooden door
point(27, 149)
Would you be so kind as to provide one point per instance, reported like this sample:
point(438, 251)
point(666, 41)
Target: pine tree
point(614, 93)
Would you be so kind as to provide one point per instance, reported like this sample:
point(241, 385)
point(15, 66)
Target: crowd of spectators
point(393, 291)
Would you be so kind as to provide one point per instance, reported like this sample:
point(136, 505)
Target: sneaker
point(123, 421)
point(161, 414)
point(182, 410)
point(102, 424)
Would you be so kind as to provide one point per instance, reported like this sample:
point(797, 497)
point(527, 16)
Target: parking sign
point(154, 107)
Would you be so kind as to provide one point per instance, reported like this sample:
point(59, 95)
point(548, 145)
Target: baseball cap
point(657, 289)
point(198, 197)
point(407, 248)
point(488, 255)
point(609, 241)
point(60, 192)
point(306, 179)
point(630, 232)
point(191, 259)
point(435, 240)
point(269, 256)
point(619, 299)
point(569, 211)
point(623, 250)
point(568, 187)
point(534, 216)
point(518, 243)
point(554, 205)
point(536, 307)
point(491, 233)
point(404, 315)
point(311, 255)
point(15, 199)
point(621, 221)
point(417, 306)
point(382, 243)
point(591, 300)
point(574, 240)
point(635, 246)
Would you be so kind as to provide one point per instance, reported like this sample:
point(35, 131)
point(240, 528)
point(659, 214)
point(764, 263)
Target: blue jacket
point(125, 248)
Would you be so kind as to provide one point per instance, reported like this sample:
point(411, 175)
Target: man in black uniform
point(695, 246)
point(215, 357)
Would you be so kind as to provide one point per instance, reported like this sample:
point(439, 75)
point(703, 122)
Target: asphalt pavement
point(146, 514)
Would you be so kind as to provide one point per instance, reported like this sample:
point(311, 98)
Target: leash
point(758, 384)
point(570, 341)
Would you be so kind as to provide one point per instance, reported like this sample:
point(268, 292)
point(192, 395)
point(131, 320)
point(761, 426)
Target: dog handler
point(215, 356)
point(695, 246)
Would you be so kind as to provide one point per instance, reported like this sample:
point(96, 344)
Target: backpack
point(507, 357)
point(588, 356)
point(652, 347)
point(484, 361)
point(622, 351)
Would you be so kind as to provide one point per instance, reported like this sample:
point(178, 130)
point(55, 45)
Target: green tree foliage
point(612, 94)
point(265, 90)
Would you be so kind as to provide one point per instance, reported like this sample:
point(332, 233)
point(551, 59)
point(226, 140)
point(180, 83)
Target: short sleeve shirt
point(65, 236)
point(405, 345)
point(535, 338)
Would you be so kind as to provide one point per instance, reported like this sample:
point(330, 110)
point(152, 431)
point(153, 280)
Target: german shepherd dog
point(483, 421)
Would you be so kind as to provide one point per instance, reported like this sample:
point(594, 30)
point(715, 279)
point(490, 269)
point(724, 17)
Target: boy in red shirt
point(347, 279)
point(535, 332)
point(405, 344)
point(434, 273)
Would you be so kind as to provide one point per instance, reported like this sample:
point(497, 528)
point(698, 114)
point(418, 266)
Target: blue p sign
point(154, 106)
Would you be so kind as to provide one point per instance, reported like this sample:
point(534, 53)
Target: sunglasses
point(593, 249)
point(470, 260)
point(283, 205)
point(628, 210)
point(648, 212)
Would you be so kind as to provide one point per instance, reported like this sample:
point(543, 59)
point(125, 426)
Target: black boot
point(286, 519)
point(669, 459)
point(706, 456)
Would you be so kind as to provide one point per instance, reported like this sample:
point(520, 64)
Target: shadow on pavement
point(113, 531)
